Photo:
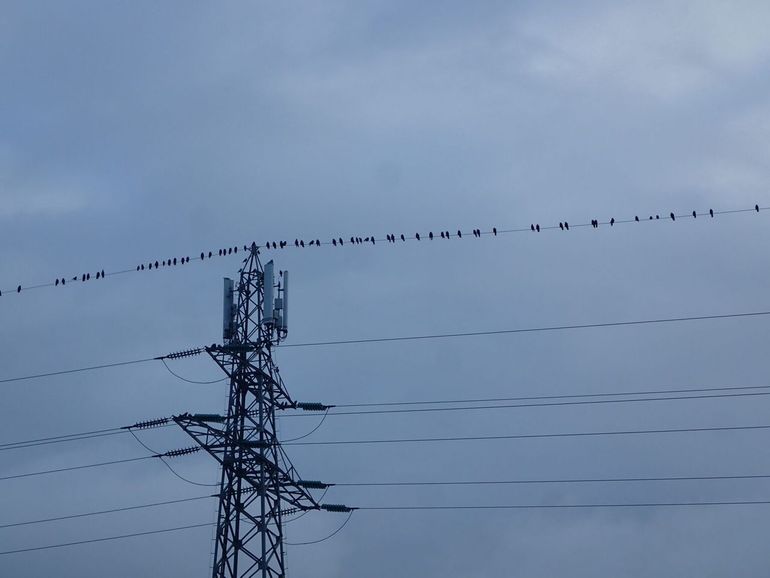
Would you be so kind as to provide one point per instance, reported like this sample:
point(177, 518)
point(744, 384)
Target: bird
point(97, 274)
point(566, 225)
point(209, 254)
point(296, 243)
point(561, 225)
point(137, 267)
point(373, 240)
point(142, 266)
point(430, 235)
point(650, 217)
point(88, 276)
point(63, 281)
point(657, 217)
point(156, 264)
point(459, 233)
point(417, 236)
point(230, 251)
point(694, 215)
point(494, 230)
point(636, 218)
point(334, 242)
point(537, 228)
point(57, 283)
point(83, 278)
point(711, 212)
point(756, 208)
point(442, 234)
point(447, 234)
point(341, 242)
point(612, 222)
point(174, 260)
point(402, 237)
point(220, 252)
point(673, 216)
point(532, 227)
point(18, 289)
point(318, 242)
point(311, 243)
point(302, 243)
point(102, 273)
point(164, 262)
point(203, 256)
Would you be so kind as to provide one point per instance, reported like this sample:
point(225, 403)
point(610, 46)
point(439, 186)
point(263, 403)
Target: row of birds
point(390, 238)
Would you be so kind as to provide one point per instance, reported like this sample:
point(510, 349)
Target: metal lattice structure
point(259, 485)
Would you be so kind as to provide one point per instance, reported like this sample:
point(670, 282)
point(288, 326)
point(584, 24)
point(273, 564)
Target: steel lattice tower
point(259, 485)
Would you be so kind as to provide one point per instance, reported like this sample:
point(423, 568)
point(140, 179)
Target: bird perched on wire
point(537, 227)
point(612, 222)
point(417, 236)
point(402, 237)
point(636, 218)
point(673, 216)
point(459, 234)
point(494, 231)
point(756, 208)
point(430, 235)
point(711, 212)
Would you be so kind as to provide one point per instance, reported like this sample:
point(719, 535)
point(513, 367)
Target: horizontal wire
point(78, 369)
point(531, 436)
point(494, 231)
point(72, 468)
point(574, 506)
point(107, 539)
point(531, 405)
point(102, 512)
point(535, 481)
point(71, 438)
point(557, 396)
point(527, 330)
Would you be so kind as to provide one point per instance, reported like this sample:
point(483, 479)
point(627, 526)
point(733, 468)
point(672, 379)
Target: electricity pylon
point(259, 485)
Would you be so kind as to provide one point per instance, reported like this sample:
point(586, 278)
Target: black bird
point(137, 267)
point(97, 274)
point(711, 212)
point(657, 217)
point(102, 273)
point(442, 234)
point(447, 234)
point(650, 217)
point(537, 228)
point(75, 278)
point(494, 230)
point(156, 264)
point(296, 243)
point(341, 242)
point(561, 225)
point(612, 221)
point(230, 251)
point(373, 241)
point(318, 242)
point(334, 242)
point(636, 218)
point(267, 245)
point(694, 215)
point(235, 250)
point(18, 289)
point(366, 240)
point(532, 227)
point(63, 281)
point(220, 252)
point(402, 237)
point(417, 236)
point(203, 256)
point(302, 243)
point(430, 235)
point(142, 266)
point(566, 225)
point(88, 276)
point(756, 208)
point(352, 240)
point(57, 283)
point(459, 233)
point(174, 260)
point(673, 216)
point(83, 278)
point(209, 254)
point(311, 243)
point(164, 262)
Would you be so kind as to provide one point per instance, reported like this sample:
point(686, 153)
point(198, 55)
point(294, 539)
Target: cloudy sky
point(135, 131)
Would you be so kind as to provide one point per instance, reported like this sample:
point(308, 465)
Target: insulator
point(182, 452)
point(313, 484)
point(149, 423)
point(336, 508)
point(313, 406)
point(181, 354)
point(215, 417)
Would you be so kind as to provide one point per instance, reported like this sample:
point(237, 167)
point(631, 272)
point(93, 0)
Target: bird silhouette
point(318, 242)
point(442, 234)
point(694, 215)
point(537, 227)
point(174, 260)
point(447, 234)
point(334, 242)
point(711, 212)
point(311, 243)
point(63, 281)
point(494, 231)
point(296, 243)
point(402, 237)
point(417, 236)
point(430, 235)
point(636, 218)
point(532, 227)
point(657, 217)
point(561, 225)
point(57, 283)
point(18, 289)
point(673, 216)
point(156, 264)
point(756, 208)
point(102, 273)
point(566, 225)
point(341, 241)
point(83, 278)
point(97, 274)
point(459, 233)
point(612, 222)
point(88, 276)
point(302, 243)
point(373, 240)
point(142, 266)
point(230, 251)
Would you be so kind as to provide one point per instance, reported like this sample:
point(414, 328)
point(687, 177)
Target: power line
point(102, 512)
point(532, 436)
point(107, 539)
point(528, 329)
point(534, 481)
point(78, 369)
point(573, 506)
point(175, 262)
point(73, 468)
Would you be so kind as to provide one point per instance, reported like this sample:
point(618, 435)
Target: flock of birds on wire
point(339, 242)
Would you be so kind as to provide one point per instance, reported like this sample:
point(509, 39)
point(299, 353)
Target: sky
point(136, 131)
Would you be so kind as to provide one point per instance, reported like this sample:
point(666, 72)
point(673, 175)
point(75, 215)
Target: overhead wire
point(337, 531)
point(174, 262)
